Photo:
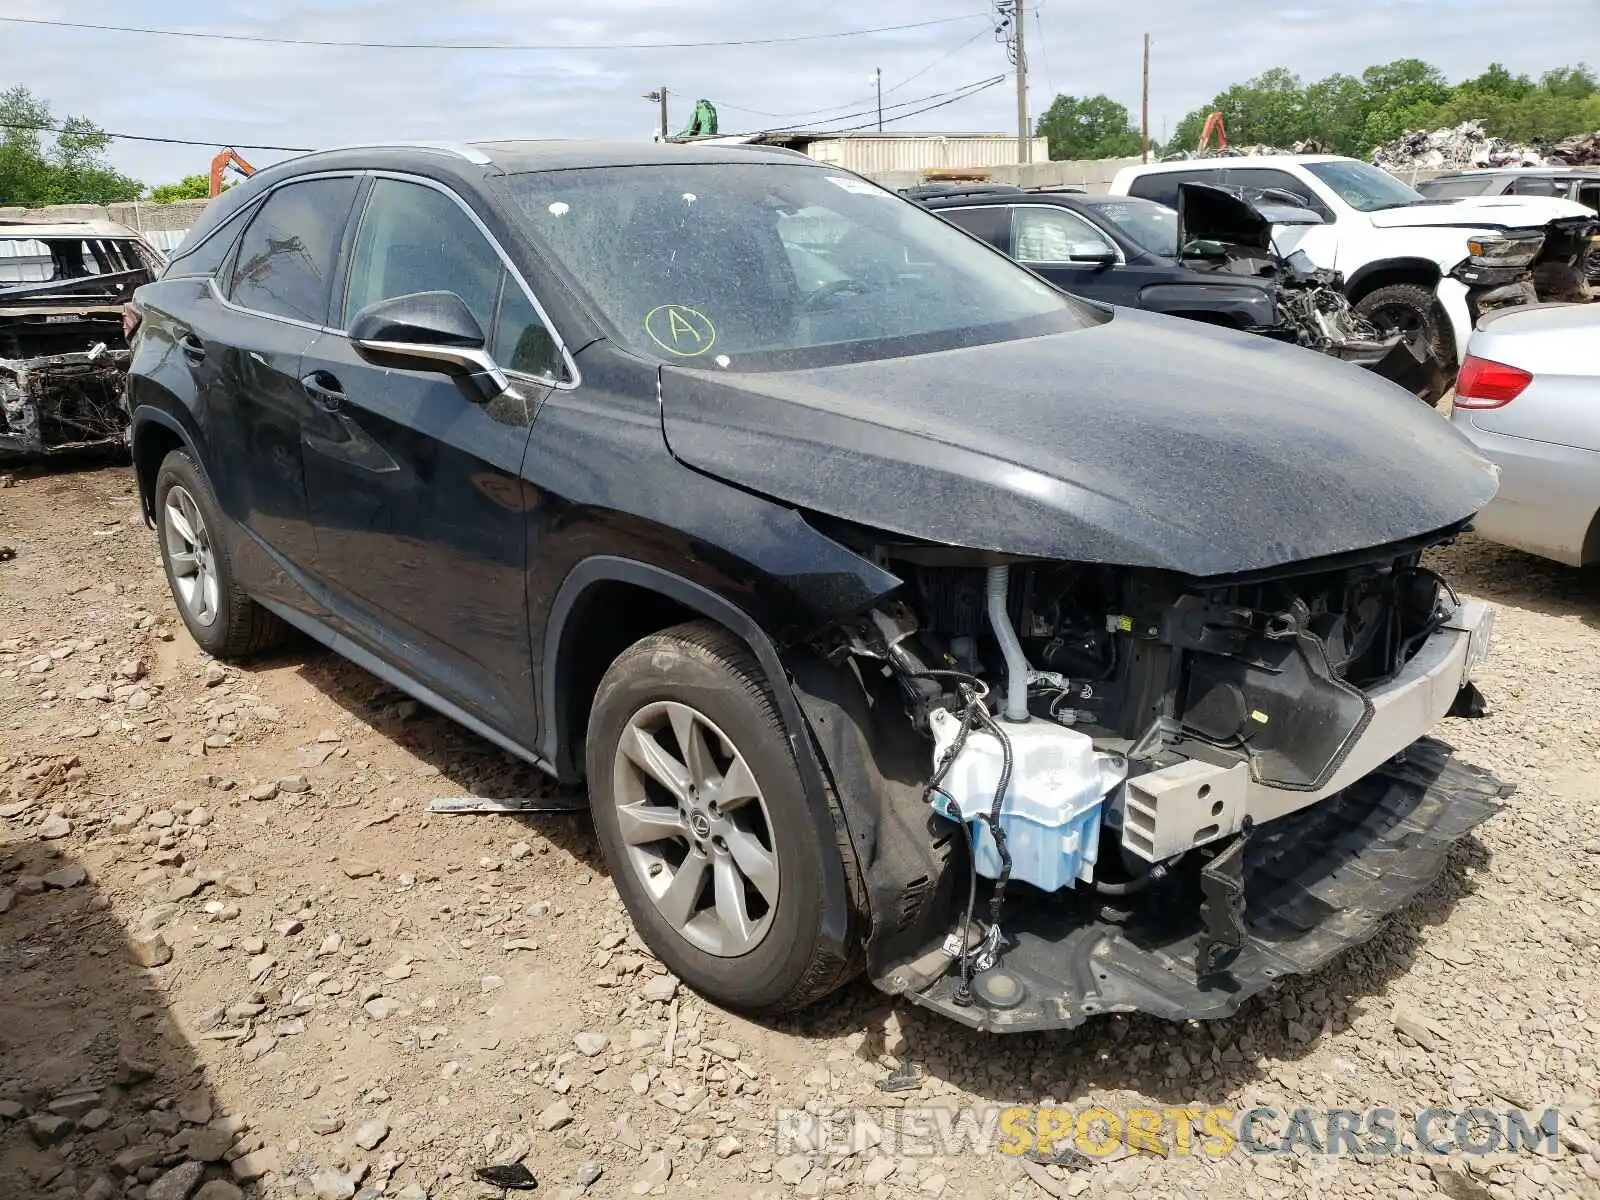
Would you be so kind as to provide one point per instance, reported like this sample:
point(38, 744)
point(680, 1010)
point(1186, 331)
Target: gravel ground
point(238, 956)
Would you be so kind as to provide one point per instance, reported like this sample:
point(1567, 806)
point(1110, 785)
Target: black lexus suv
point(895, 610)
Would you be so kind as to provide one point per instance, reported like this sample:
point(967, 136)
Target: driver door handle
point(324, 391)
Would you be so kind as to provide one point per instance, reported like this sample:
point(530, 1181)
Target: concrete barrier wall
point(139, 214)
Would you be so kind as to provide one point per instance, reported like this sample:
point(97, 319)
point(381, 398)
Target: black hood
point(1143, 441)
point(1208, 213)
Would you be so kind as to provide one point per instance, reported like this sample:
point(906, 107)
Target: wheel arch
point(156, 433)
point(1421, 271)
point(583, 626)
point(1589, 552)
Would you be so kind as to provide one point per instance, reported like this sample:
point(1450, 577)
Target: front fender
point(841, 892)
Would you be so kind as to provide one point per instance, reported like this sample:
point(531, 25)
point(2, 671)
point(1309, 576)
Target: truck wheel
point(1412, 310)
point(705, 824)
point(222, 619)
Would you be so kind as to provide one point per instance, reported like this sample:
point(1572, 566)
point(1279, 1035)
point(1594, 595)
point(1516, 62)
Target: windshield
point(707, 263)
point(1154, 227)
point(1364, 187)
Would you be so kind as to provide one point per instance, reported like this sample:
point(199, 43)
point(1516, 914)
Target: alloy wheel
point(190, 556)
point(696, 828)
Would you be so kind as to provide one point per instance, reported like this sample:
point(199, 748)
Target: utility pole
point(878, 74)
point(1144, 106)
point(660, 95)
point(1024, 134)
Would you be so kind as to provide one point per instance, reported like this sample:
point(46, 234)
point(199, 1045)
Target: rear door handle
point(193, 349)
point(324, 391)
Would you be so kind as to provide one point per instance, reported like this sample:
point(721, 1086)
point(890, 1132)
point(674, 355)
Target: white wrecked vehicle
point(1425, 268)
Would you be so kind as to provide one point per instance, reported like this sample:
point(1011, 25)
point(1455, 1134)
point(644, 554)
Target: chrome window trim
point(575, 377)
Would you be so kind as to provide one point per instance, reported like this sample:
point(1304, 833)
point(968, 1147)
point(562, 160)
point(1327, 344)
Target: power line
point(937, 61)
point(213, 35)
point(825, 112)
point(980, 87)
point(1049, 79)
point(958, 93)
point(140, 137)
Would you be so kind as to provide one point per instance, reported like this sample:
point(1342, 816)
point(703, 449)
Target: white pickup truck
point(1428, 268)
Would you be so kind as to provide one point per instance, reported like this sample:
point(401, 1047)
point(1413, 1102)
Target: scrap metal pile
point(1467, 145)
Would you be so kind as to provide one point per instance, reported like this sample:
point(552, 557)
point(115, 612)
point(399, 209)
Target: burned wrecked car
point(63, 350)
point(894, 610)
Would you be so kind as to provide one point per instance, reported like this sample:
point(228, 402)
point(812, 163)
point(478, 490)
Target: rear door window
point(1162, 186)
point(1256, 180)
point(993, 225)
point(287, 258)
point(1537, 185)
point(1456, 189)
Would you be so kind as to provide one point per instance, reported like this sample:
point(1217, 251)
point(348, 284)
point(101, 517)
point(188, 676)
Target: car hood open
point(1144, 441)
point(1208, 213)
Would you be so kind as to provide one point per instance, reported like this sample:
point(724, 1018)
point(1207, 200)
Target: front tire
point(705, 824)
point(1413, 311)
point(224, 621)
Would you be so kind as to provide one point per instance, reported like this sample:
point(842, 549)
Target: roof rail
point(939, 191)
point(470, 153)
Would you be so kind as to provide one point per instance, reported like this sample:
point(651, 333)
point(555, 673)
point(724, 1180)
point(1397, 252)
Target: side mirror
point(429, 331)
point(1100, 256)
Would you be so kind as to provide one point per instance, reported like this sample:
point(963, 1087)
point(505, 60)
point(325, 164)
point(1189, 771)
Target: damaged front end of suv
point(63, 343)
point(1143, 722)
point(1126, 790)
point(1223, 231)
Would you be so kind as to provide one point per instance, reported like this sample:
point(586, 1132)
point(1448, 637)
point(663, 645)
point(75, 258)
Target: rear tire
point(655, 802)
point(221, 618)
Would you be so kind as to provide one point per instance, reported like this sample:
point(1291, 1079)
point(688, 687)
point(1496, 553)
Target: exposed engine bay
point(62, 400)
point(1109, 748)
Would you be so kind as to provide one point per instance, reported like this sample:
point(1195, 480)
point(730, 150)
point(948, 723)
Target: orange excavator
point(228, 158)
point(1214, 125)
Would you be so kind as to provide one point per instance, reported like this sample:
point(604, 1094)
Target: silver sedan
point(1529, 397)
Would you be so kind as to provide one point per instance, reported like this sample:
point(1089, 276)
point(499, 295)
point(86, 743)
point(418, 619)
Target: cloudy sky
point(241, 92)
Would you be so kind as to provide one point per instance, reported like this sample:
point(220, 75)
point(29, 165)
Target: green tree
point(1335, 112)
point(1570, 83)
point(1093, 127)
point(45, 161)
point(1496, 81)
point(1351, 116)
point(190, 187)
